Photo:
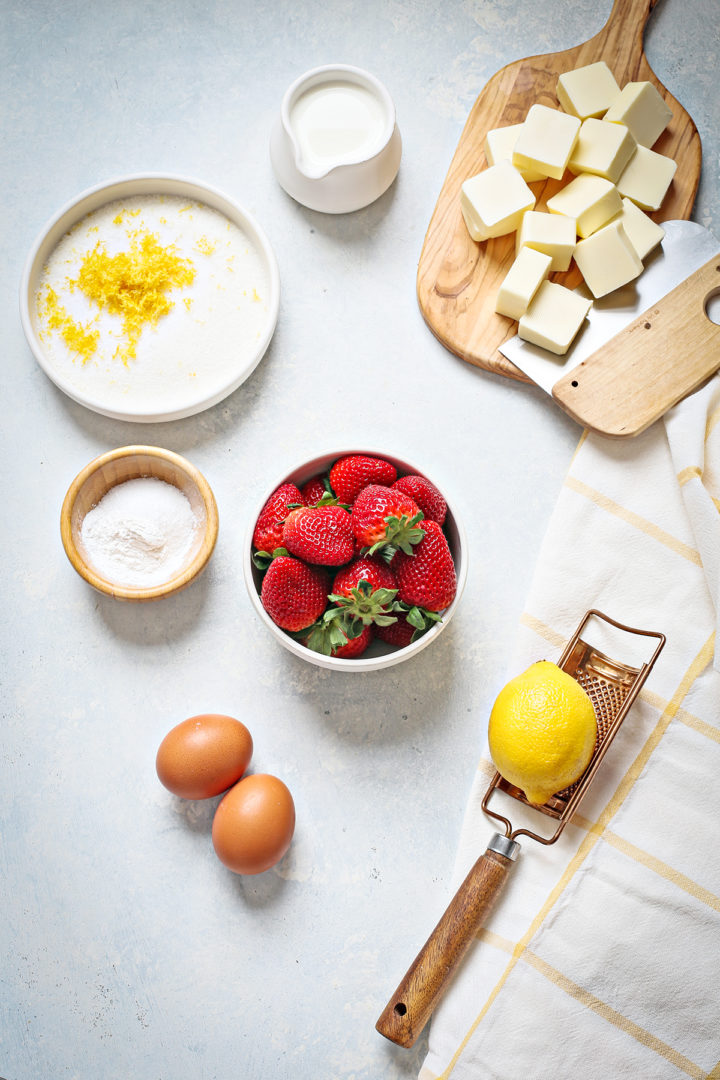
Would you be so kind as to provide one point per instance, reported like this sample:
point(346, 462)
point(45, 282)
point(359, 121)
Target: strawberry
point(409, 626)
point(365, 591)
point(425, 494)
point(426, 578)
point(336, 635)
point(313, 491)
point(377, 573)
point(294, 594)
point(399, 633)
point(319, 534)
point(268, 533)
point(350, 474)
point(383, 515)
point(355, 646)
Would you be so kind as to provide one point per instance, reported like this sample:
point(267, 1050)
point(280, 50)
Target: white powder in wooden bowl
point(140, 533)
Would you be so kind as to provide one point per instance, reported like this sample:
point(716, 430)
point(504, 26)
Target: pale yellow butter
point(546, 141)
point(646, 178)
point(643, 233)
point(494, 201)
point(642, 109)
point(499, 146)
point(553, 234)
point(587, 91)
point(521, 282)
point(553, 318)
point(602, 148)
point(607, 259)
point(590, 199)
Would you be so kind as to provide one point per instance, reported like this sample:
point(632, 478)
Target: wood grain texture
point(417, 995)
point(664, 354)
point(458, 279)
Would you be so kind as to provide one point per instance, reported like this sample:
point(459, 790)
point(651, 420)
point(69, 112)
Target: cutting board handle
point(625, 28)
point(620, 42)
point(665, 354)
point(412, 1004)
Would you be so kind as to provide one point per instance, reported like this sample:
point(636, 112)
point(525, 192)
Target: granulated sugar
point(140, 533)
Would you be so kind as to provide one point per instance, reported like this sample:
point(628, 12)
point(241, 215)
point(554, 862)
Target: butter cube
point(553, 234)
point(553, 318)
point(521, 282)
point(643, 233)
point(642, 109)
point(602, 148)
point(607, 259)
point(499, 146)
point(587, 91)
point(494, 201)
point(591, 200)
point(646, 178)
point(546, 141)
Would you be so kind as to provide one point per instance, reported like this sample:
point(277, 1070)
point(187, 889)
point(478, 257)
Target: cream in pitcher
point(335, 146)
point(335, 122)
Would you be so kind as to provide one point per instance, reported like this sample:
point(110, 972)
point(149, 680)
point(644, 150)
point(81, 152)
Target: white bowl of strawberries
point(355, 560)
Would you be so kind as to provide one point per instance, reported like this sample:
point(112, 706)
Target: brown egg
point(204, 756)
point(254, 824)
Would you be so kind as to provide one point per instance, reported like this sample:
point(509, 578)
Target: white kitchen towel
point(601, 958)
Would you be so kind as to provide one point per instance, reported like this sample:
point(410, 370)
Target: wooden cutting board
point(458, 279)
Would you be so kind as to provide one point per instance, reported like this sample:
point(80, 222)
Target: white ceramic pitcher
point(336, 146)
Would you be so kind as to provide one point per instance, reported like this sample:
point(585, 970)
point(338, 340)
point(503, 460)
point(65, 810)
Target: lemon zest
point(80, 339)
point(134, 284)
point(205, 246)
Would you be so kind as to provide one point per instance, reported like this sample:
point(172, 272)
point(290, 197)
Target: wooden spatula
point(458, 279)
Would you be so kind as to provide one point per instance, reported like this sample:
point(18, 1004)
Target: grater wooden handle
point(412, 1004)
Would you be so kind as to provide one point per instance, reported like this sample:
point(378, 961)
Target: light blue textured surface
point(127, 948)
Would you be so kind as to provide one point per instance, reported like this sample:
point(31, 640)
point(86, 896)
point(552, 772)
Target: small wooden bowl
point(129, 463)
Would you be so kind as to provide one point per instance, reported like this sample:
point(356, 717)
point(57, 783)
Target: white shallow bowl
point(353, 181)
point(207, 392)
point(379, 655)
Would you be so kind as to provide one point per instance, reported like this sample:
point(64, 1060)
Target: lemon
point(542, 731)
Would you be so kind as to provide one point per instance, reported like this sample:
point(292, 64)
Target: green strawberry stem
point(420, 618)
point(262, 559)
point(328, 499)
point(366, 605)
point(329, 633)
point(402, 533)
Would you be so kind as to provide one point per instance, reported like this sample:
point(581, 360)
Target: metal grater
point(612, 687)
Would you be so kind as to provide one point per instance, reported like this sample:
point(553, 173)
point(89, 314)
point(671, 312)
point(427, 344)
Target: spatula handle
point(412, 1004)
point(659, 358)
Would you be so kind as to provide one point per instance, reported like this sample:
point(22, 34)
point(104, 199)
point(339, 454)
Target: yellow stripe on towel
point(611, 507)
point(590, 1001)
point(543, 630)
point(651, 862)
point(613, 1017)
point(690, 473)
